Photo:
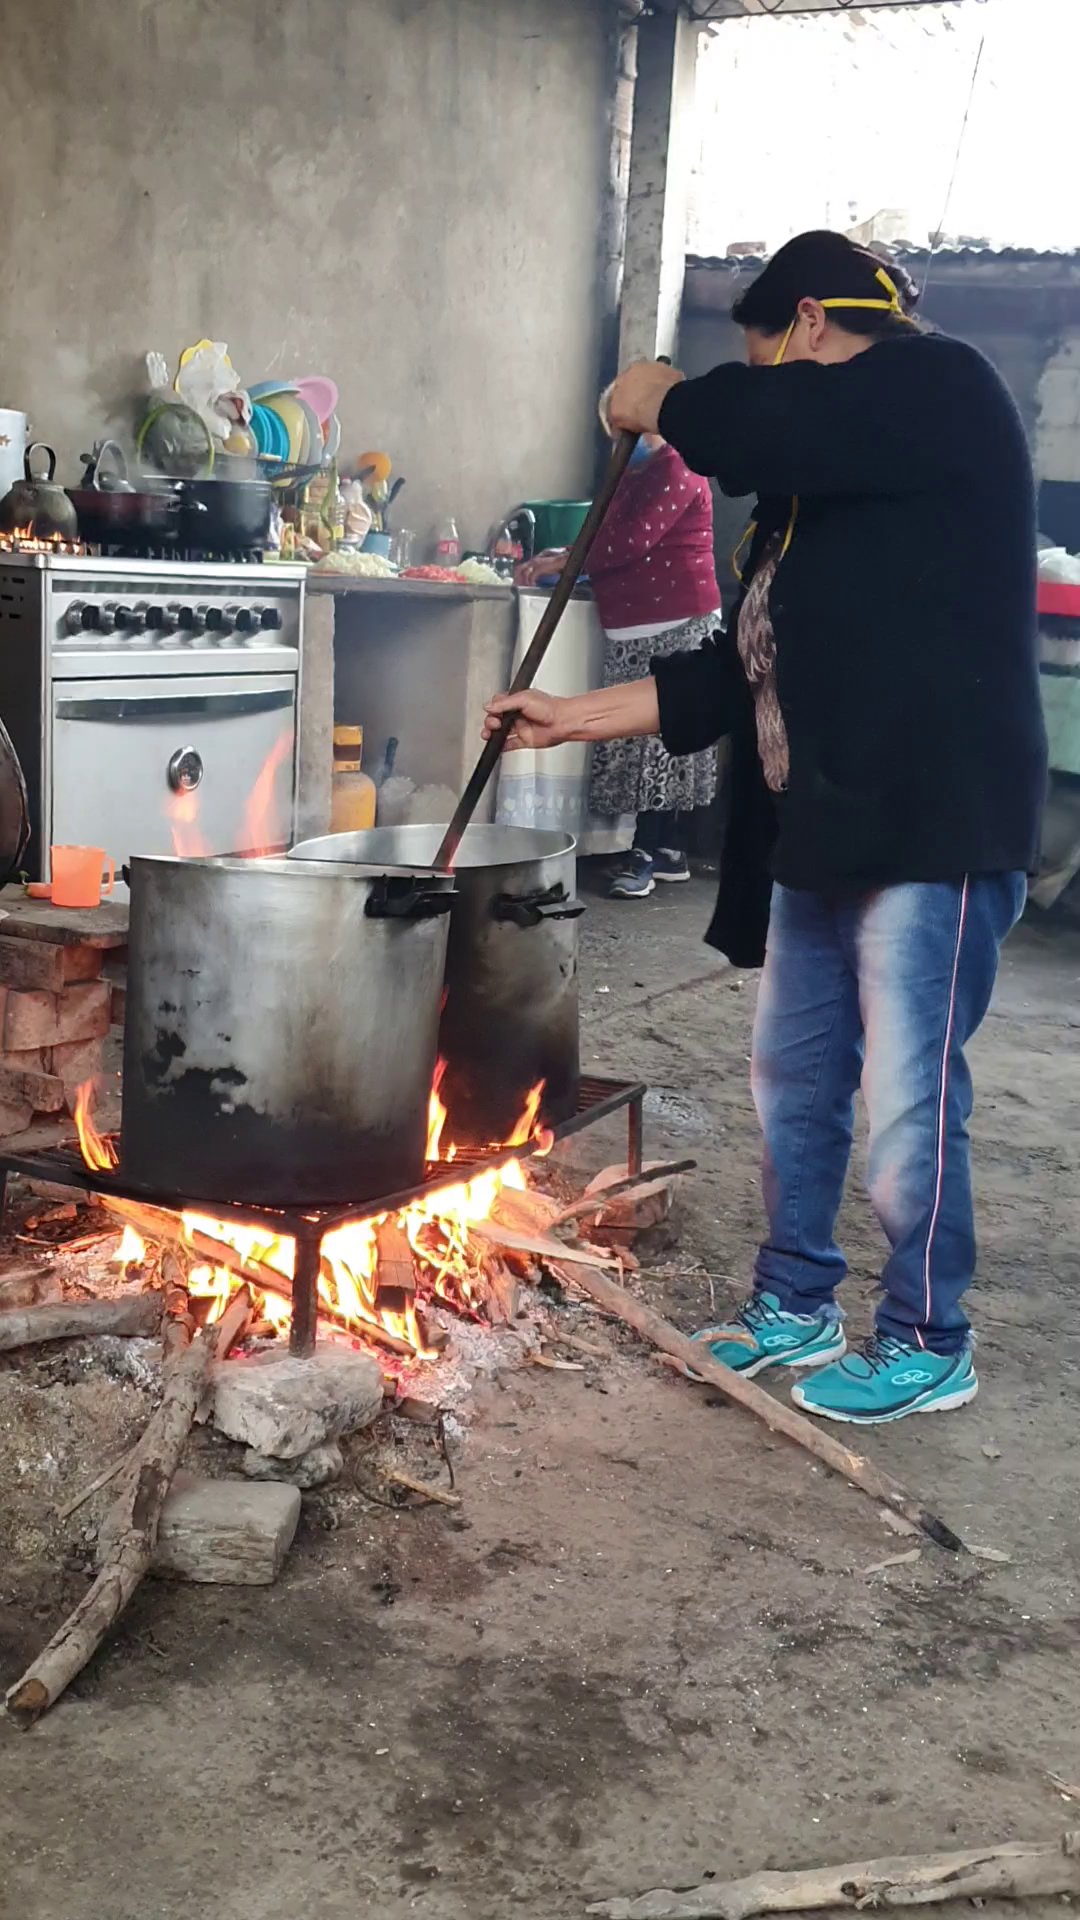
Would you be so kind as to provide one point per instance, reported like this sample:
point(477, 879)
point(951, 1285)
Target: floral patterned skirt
point(640, 776)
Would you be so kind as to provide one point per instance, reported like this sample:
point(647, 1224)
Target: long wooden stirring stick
point(538, 646)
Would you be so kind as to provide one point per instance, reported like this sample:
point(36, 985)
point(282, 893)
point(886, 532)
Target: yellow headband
point(891, 305)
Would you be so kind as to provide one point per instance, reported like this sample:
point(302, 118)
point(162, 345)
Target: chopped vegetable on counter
point(479, 574)
point(451, 575)
point(359, 566)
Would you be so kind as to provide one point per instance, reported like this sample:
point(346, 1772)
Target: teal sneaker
point(779, 1339)
point(887, 1380)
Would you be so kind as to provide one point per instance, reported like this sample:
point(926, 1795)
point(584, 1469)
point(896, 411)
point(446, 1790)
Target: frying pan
point(112, 512)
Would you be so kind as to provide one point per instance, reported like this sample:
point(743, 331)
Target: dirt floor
point(650, 1644)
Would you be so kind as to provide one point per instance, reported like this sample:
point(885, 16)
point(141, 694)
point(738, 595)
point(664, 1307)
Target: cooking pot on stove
point(510, 1017)
point(225, 516)
point(39, 506)
point(281, 1029)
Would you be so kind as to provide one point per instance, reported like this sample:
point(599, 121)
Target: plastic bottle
point(447, 551)
point(352, 797)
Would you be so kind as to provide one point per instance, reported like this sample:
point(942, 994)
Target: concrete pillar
point(660, 161)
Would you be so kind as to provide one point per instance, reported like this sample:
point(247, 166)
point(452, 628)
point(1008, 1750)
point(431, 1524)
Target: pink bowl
point(320, 393)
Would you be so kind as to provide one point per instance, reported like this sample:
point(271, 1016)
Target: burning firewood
point(396, 1268)
point(127, 1538)
point(595, 1203)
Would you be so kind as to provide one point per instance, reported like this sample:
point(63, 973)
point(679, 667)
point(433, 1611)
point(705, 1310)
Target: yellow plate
point(291, 414)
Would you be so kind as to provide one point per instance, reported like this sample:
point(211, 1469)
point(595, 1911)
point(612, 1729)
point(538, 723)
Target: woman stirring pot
point(880, 690)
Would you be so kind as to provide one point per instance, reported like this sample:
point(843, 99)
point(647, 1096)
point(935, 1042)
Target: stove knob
point(190, 619)
point(158, 619)
point(270, 619)
point(219, 620)
point(106, 618)
point(80, 618)
point(245, 619)
point(133, 619)
point(185, 770)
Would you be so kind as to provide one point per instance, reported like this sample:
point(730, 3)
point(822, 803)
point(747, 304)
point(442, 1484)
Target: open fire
point(377, 1275)
point(25, 540)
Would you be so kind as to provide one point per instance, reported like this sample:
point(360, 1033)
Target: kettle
point(39, 507)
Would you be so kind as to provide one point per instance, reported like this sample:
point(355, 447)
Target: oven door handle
point(175, 706)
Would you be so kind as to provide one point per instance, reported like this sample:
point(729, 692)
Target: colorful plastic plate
point(320, 393)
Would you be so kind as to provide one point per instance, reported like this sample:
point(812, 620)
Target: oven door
point(176, 764)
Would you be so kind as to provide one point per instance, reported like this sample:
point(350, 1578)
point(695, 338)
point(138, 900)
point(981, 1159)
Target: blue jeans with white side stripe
point(883, 989)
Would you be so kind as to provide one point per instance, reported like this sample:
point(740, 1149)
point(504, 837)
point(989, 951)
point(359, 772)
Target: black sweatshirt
point(904, 618)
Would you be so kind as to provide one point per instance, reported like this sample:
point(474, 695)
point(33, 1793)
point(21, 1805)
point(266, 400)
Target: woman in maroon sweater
point(654, 581)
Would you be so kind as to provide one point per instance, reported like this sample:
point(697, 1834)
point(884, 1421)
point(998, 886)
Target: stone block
point(314, 1469)
point(232, 1533)
point(283, 1406)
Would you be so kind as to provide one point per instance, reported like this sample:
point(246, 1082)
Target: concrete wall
point(405, 194)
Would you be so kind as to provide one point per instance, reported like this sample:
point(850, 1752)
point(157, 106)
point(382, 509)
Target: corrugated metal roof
point(910, 256)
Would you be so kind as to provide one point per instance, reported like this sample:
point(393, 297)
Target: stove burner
point(598, 1099)
point(198, 556)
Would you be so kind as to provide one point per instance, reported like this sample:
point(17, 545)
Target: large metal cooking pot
point(281, 1029)
point(511, 1014)
point(225, 516)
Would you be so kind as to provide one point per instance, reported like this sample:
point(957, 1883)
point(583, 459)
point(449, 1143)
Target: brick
point(80, 1012)
point(32, 1058)
point(15, 1117)
point(30, 1020)
point(44, 1093)
point(81, 963)
point(74, 1062)
point(24, 964)
point(84, 1011)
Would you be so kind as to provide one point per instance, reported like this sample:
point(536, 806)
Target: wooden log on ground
point(127, 1539)
point(777, 1415)
point(133, 1313)
point(1016, 1871)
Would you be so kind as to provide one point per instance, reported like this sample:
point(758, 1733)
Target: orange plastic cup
point(78, 876)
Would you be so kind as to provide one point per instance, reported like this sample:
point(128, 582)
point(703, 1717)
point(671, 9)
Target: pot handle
point(111, 448)
point(39, 446)
point(392, 899)
point(529, 909)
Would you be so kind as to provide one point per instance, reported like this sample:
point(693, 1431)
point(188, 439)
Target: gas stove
point(153, 702)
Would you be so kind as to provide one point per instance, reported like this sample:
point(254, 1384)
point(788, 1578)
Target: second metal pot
point(281, 1029)
point(510, 1018)
point(225, 516)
